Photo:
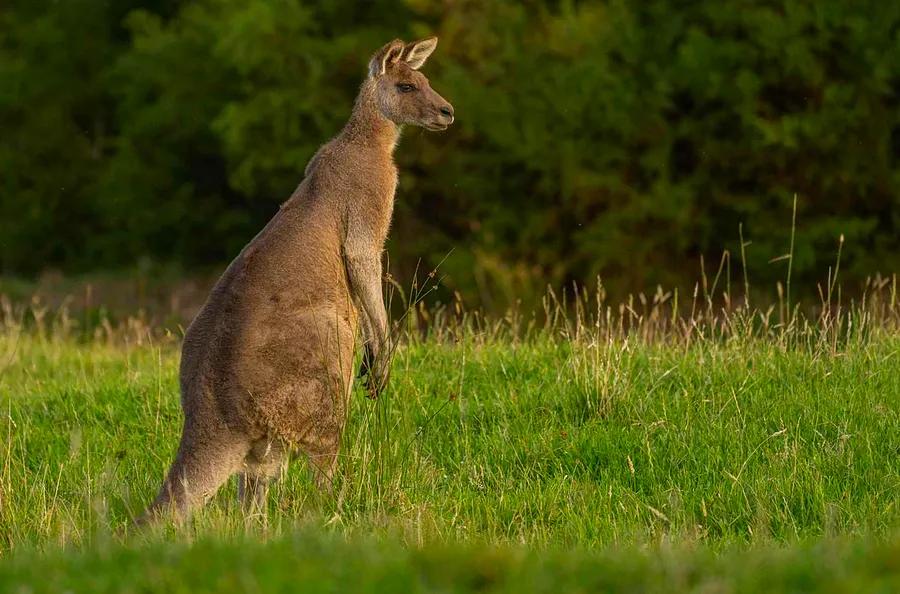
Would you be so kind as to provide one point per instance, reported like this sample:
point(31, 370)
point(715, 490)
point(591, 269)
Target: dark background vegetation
point(621, 139)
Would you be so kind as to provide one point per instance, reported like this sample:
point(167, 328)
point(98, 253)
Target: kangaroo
point(266, 365)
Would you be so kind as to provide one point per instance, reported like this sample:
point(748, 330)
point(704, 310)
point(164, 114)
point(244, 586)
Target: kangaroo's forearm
point(365, 325)
point(365, 285)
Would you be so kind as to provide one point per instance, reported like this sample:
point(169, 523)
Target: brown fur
point(267, 364)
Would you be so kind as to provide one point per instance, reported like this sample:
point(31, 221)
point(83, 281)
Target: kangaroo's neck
point(368, 126)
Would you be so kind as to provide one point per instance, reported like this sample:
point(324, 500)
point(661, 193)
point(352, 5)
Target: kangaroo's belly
point(298, 378)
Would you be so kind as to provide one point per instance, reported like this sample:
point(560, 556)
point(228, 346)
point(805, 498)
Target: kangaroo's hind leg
point(206, 458)
point(323, 457)
point(323, 443)
point(262, 464)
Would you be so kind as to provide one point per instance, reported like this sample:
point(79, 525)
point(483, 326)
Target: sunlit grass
point(597, 430)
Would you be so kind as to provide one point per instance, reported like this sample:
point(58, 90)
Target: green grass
point(740, 459)
point(309, 561)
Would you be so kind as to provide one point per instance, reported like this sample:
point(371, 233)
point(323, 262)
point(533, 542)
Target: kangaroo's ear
point(387, 55)
point(416, 52)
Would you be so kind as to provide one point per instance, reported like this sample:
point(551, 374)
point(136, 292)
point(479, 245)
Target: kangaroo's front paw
point(377, 378)
point(376, 371)
point(368, 361)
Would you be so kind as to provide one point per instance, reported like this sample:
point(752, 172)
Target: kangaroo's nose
point(447, 111)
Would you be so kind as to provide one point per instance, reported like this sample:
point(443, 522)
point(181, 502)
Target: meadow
point(701, 446)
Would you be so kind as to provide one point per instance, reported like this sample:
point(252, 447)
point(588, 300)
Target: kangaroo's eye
point(405, 87)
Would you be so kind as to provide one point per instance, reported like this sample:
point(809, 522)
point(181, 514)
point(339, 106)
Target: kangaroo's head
point(402, 92)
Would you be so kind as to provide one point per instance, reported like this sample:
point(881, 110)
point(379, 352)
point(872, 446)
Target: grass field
point(708, 454)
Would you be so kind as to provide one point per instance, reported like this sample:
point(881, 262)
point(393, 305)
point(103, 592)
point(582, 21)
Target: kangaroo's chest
point(376, 208)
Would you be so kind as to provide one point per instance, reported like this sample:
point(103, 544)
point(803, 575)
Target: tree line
point(616, 139)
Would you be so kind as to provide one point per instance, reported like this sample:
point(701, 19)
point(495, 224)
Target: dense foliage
point(615, 138)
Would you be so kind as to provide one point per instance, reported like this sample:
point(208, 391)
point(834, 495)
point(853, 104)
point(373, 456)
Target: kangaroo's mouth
point(436, 126)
